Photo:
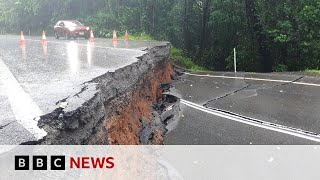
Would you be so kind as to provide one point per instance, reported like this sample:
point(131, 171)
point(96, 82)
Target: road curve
point(248, 108)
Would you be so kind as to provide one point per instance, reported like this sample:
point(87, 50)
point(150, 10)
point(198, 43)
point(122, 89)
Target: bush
point(180, 59)
point(176, 52)
point(312, 71)
point(141, 37)
point(280, 68)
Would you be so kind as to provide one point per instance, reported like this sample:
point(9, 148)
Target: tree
point(268, 34)
point(257, 31)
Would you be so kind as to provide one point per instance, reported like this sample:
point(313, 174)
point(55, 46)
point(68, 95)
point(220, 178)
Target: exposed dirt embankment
point(127, 113)
point(127, 106)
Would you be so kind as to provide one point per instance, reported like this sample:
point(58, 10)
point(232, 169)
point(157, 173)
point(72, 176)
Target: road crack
point(301, 77)
point(226, 95)
point(5, 125)
point(229, 94)
point(278, 85)
point(248, 86)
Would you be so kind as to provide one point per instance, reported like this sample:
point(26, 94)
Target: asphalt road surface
point(247, 108)
point(217, 108)
point(35, 76)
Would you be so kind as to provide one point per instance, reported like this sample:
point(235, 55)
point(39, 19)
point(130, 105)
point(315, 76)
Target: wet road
point(246, 108)
point(35, 76)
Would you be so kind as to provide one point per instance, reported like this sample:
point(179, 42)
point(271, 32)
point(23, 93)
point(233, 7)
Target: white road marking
point(254, 79)
point(24, 108)
point(306, 84)
point(265, 125)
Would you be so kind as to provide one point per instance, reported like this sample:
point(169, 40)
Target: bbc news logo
point(59, 163)
point(40, 163)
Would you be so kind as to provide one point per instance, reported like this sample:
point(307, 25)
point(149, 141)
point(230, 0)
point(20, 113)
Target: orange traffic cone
point(115, 44)
point(115, 37)
point(126, 37)
point(23, 50)
point(45, 49)
point(22, 38)
point(44, 38)
point(91, 36)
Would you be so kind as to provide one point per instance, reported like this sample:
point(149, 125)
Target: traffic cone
point(115, 37)
point(91, 36)
point(44, 38)
point(23, 50)
point(45, 49)
point(126, 37)
point(22, 40)
point(115, 44)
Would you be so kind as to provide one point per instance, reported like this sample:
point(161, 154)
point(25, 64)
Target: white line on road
point(24, 108)
point(254, 79)
point(255, 122)
point(306, 84)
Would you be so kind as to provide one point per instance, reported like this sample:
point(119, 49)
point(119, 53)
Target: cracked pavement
point(281, 99)
point(35, 76)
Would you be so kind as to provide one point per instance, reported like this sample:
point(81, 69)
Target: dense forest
point(269, 35)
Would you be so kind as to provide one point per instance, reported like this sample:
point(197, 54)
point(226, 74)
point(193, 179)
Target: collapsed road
point(80, 92)
point(247, 108)
point(106, 92)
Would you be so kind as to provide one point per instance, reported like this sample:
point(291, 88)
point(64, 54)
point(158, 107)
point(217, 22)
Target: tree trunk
point(205, 20)
point(297, 39)
point(186, 31)
point(257, 29)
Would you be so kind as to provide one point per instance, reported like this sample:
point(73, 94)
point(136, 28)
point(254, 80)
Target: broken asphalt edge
point(79, 117)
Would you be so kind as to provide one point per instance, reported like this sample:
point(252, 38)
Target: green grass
point(181, 60)
point(140, 37)
point(313, 71)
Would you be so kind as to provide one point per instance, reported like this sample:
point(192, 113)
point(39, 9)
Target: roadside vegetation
point(269, 35)
point(139, 37)
point(180, 59)
point(313, 71)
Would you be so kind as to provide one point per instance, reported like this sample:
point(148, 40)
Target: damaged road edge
point(122, 107)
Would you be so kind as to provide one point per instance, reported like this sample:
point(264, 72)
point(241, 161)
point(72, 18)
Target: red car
point(71, 29)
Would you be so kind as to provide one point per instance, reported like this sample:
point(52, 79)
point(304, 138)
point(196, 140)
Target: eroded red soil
point(123, 126)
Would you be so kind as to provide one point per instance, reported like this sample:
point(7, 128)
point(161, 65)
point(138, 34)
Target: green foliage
point(140, 37)
point(313, 71)
point(280, 68)
point(174, 52)
point(282, 33)
point(182, 60)
point(246, 61)
point(207, 30)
